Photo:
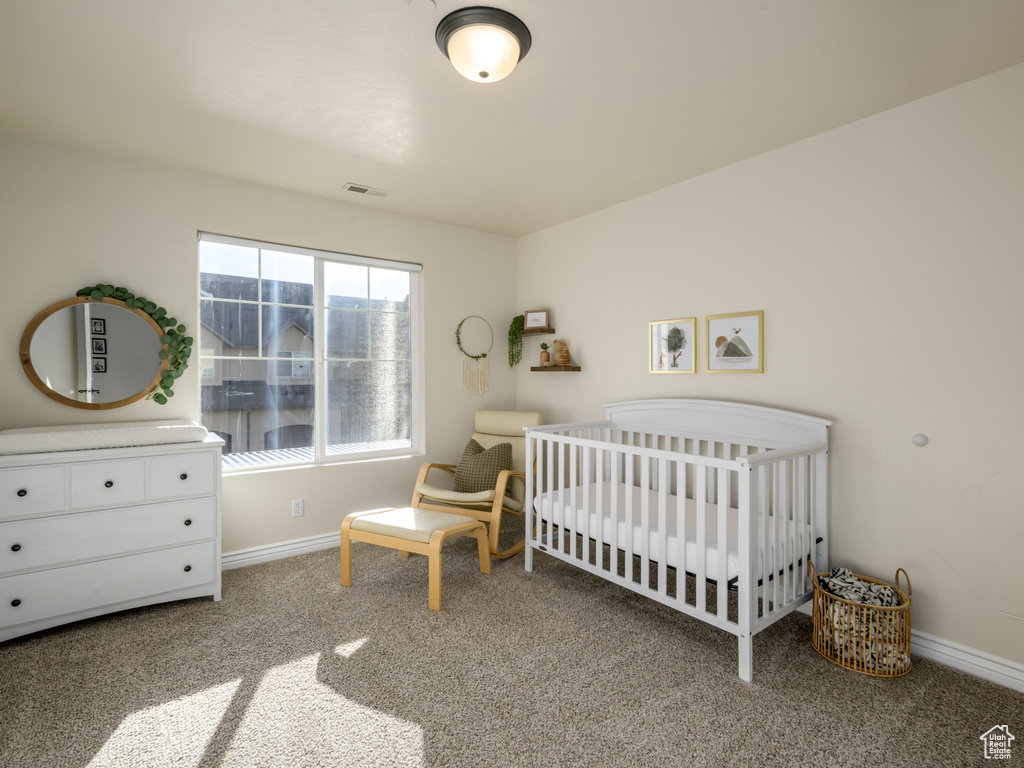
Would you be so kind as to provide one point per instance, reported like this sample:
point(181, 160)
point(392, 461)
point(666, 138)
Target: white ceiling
point(615, 99)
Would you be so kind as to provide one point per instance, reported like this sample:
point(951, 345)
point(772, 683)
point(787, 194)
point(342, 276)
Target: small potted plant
point(545, 356)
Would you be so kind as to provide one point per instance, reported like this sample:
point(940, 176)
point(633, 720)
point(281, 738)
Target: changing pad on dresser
point(77, 437)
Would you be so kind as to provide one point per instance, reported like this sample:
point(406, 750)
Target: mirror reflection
point(92, 354)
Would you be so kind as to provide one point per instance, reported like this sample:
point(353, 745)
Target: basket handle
point(905, 576)
point(810, 570)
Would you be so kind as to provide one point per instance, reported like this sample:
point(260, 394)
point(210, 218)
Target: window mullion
point(319, 368)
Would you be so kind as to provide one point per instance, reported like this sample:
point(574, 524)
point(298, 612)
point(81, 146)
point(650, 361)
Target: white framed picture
point(736, 343)
point(672, 346)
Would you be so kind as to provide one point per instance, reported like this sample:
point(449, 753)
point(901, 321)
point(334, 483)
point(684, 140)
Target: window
point(305, 355)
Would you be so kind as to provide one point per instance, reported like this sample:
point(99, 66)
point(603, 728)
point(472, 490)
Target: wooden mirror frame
point(30, 371)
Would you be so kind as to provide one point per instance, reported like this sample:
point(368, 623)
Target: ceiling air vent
point(362, 189)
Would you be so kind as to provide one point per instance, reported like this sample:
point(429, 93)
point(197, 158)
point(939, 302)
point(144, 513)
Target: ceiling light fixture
point(483, 44)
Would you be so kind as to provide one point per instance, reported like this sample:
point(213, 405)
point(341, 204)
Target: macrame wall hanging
point(476, 377)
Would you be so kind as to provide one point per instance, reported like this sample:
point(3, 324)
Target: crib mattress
point(554, 507)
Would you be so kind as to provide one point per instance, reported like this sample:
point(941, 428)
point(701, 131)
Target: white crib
point(747, 485)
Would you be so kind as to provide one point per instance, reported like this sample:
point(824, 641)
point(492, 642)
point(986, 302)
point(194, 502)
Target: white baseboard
point(243, 557)
point(978, 663)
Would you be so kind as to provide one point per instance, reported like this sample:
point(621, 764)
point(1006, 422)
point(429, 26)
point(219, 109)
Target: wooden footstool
point(411, 530)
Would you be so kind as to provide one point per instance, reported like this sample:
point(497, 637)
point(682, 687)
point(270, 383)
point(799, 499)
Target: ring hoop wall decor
point(475, 367)
point(458, 337)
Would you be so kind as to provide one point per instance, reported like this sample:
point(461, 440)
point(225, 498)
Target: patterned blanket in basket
point(841, 582)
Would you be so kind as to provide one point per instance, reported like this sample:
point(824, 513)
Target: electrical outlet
point(297, 510)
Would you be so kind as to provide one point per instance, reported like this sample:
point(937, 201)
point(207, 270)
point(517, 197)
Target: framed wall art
point(736, 343)
point(99, 326)
point(536, 318)
point(672, 346)
point(99, 346)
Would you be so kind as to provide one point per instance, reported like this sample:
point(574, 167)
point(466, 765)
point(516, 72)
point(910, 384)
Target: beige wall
point(888, 257)
point(70, 218)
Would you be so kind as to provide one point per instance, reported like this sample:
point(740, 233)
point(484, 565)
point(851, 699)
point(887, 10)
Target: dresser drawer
point(49, 541)
point(107, 483)
point(31, 491)
point(185, 475)
point(33, 596)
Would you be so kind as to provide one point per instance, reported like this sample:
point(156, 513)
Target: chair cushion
point(408, 523)
point(478, 469)
point(483, 498)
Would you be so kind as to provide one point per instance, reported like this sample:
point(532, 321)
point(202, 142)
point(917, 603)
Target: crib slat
point(681, 497)
point(569, 514)
point(722, 590)
point(700, 499)
point(585, 481)
point(777, 525)
point(804, 545)
point(761, 478)
point(613, 537)
point(663, 487)
point(820, 496)
point(645, 522)
point(629, 512)
point(794, 543)
point(534, 485)
point(555, 484)
point(787, 513)
point(533, 519)
point(599, 456)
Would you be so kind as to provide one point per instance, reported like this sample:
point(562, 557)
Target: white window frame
point(321, 455)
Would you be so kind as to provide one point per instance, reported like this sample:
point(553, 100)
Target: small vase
point(545, 356)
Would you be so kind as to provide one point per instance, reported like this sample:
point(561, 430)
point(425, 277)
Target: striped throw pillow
point(478, 469)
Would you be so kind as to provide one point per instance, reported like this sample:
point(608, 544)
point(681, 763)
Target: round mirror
point(93, 354)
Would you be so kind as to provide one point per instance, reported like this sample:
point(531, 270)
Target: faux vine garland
point(458, 338)
point(179, 346)
point(515, 340)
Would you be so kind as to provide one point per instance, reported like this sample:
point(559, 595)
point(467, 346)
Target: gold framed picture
point(736, 343)
point(672, 346)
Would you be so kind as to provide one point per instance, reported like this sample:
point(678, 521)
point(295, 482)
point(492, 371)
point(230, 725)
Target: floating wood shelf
point(556, 368)
point(535, 331)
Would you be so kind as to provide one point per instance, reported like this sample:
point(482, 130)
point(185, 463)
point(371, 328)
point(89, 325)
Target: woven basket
point(870, 639)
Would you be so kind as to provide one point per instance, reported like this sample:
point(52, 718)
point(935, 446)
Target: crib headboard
point(720, 420)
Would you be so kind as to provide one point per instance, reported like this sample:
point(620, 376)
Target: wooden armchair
point(507, 496)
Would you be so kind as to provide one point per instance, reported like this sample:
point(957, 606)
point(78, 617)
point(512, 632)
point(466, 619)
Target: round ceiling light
point(483, 44)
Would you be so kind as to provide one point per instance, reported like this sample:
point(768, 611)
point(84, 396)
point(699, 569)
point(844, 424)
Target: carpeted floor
point(554, 668)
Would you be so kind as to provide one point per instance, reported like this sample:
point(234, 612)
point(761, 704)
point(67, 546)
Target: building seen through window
point(263, 355)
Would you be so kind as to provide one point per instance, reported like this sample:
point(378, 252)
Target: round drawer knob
point(16, 548)
point(188, 568)
point(183, 476)
point(109, 484)
point(15, 603)
point(22, 492)
point(188, 522)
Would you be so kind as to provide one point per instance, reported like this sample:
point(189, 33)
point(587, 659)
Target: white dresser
point(84, 533)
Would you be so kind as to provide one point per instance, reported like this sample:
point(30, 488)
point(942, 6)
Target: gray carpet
point(554, 668)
